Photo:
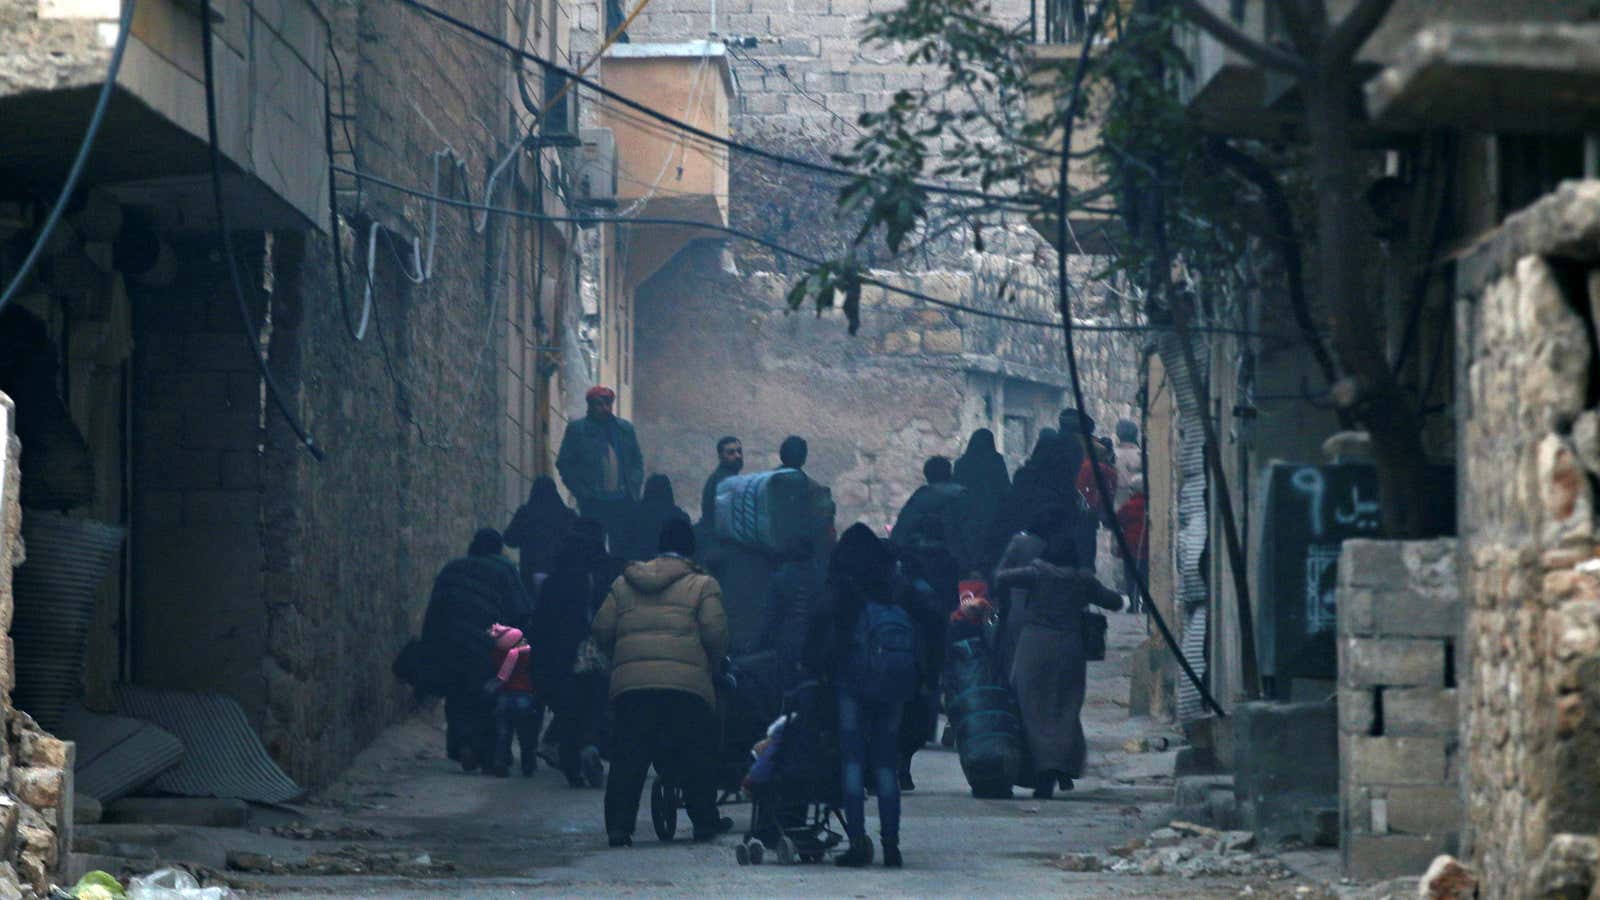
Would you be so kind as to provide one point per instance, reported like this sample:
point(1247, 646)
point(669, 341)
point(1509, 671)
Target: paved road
point(521, 837)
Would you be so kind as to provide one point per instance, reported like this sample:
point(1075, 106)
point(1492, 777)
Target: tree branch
point(1263, 54)
point(1354, 30)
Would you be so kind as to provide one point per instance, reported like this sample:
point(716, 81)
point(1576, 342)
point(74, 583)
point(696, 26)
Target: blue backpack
point(882, 665)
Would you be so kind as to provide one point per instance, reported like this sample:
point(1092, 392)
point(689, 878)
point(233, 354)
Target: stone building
point(1464, 668)
point(432, 352)
point(724, 355)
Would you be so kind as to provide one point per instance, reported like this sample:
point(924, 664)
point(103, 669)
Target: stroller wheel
point(811, 857)
point(788, 853)
point(758, 852)
point(664, 802)
point(741, 853)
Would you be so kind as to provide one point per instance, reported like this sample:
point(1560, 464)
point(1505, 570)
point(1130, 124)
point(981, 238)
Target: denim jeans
point(869, 739)
point(516, 715)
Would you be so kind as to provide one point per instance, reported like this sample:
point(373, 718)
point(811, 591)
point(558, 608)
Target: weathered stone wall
point(1400, 614)
point(720, 353)
point(1530, 451)
point(410, 417)
point(717, 353)
point(35, 768)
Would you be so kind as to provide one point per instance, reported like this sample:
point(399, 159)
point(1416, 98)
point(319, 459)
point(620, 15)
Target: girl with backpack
point(864, 644)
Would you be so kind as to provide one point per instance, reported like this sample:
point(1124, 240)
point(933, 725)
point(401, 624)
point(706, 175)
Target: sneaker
point(891, 856)
point(858, 856)
point(621, 840)
point(1065, 783)
point(594, 771)
point(723, 826)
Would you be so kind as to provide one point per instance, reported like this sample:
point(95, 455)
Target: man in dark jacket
point(939, 512)
point(469, 594)
point(730, 462)
point(798, 572)
point(601, 464)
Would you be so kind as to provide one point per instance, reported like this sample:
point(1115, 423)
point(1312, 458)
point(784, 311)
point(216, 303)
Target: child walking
point(516, 711)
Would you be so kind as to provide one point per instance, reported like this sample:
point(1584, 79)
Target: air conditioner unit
point(560, 125)
point(595, 169)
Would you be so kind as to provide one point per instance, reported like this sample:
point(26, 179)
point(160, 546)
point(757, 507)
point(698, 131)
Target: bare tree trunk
point(1379, 401)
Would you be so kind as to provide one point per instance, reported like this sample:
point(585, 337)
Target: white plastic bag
point(174, 884)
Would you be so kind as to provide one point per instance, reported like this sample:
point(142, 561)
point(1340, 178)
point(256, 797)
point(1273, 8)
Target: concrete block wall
point(1400, 621)
point(196, 526)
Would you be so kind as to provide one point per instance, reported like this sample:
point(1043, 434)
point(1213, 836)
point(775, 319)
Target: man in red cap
point(600, 462)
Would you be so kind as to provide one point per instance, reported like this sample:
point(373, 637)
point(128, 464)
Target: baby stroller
point(797, 807)
point(749, 695)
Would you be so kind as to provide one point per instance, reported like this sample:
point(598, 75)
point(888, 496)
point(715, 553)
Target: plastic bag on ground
point(174, 884)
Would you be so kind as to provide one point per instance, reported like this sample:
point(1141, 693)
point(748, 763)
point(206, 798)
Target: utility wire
point(227, 238)
point(1068, 327)
point(777, 248)
point(124, 26)
point(1033, 202)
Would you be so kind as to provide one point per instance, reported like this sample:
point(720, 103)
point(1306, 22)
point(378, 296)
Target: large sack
point(984, 712)
point(769, 511)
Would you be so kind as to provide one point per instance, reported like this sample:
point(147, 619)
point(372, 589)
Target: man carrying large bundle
point(777, 527)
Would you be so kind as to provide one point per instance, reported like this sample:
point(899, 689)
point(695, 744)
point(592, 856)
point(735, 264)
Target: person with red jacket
point(516, 711)
point(1131, 519)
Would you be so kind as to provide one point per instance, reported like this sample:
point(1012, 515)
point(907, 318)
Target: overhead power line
point(227, 238)
point(1029, 201)
point(124, 26)
point(777, 248)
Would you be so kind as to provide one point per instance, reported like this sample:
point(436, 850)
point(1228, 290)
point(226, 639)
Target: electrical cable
point(1063, 287)
point(124, 27)
point(334, 226)
point(786, 251)
point(783, 72)
point(574, 77)
point(227, 238)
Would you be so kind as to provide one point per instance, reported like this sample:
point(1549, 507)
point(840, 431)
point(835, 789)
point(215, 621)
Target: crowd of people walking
point(619, 617)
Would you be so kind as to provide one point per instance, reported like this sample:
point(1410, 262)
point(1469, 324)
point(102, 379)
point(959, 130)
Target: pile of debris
point(1183, 848)
point(352, 859)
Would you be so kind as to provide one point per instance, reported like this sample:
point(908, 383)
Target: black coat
point(536, 530)
point(469, 595)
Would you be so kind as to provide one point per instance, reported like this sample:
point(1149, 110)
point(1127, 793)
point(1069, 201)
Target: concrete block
point(199, 811)
point(1286, 759)
point(1372, 564)
point(1357, 710)
point(227, 431)
point(202, 508)
point(1416, 613)
point(1374, 857)
point(218, 352)
point(1396, 662)
point(1396, 760)
point(1425, 712)
point(1425, 810)
point(1320, 827)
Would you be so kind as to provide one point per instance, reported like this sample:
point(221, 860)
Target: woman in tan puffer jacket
point(665, 631)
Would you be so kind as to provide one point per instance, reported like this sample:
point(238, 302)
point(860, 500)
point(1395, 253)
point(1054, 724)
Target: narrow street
point(483, 837)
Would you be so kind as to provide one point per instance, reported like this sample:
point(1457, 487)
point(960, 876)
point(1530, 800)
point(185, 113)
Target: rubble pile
point(1185, 849)
point(351, 859)
point(307, 831)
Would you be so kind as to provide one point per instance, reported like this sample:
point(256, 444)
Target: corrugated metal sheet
point(54, 590)
point(222, 756)
point(116, 756)
point(1192, 529)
